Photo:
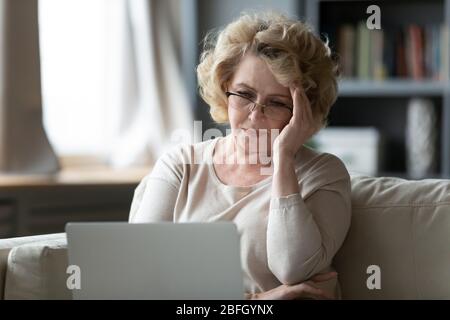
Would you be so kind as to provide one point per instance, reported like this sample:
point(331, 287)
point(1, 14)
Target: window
point(74, 58)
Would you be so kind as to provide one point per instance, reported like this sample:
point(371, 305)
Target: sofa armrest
point(6, 245)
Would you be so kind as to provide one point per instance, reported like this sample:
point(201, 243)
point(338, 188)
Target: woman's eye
point(278, 104)
point(245, 94)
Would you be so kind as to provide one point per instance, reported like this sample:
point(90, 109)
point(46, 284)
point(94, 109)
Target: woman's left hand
point(300, 127)
point(303, 290)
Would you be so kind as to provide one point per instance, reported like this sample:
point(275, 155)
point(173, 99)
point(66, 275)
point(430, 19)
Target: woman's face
point(254, 79)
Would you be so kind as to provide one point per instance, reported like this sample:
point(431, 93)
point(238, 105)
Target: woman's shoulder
point(319, 168)
point(176, 160)
point(186, 154)
point(308, 158)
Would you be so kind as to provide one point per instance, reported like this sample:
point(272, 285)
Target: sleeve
point(304, 235)
point(156, 195)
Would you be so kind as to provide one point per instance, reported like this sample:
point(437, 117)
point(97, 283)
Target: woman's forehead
point(253, 72)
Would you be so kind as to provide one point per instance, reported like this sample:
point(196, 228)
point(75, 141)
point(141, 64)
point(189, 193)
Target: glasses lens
point(277, 113)
point(239, 102)
point(245, 104)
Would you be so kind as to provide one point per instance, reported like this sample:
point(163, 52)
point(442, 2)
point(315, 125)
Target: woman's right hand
point(303, 290)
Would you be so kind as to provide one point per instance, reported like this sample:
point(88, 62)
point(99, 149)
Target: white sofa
point(401, 226)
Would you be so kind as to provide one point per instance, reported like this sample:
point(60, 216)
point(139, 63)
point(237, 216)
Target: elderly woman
point(263, 74)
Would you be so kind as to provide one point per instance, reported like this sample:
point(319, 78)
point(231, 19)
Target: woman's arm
point(154, 203)
point(155, 197)
point(303, 236)
point(304, 290)
point(284, 179)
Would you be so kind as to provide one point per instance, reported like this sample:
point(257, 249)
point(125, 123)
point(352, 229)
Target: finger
point(302, 106)
point(306, 106)
point(328, 296)
point(308, 291)
point(296, 100)
point(324, 276)
point(317, 293)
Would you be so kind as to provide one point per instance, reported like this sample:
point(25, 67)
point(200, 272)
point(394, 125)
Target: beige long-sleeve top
point(283, 240)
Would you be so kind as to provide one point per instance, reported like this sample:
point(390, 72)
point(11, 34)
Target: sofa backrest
point(402, 227)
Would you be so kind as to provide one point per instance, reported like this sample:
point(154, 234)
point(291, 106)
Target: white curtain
point(148, 99)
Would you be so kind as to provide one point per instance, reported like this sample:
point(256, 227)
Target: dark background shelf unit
point(388, 115)
point(383, 104)
point(8, 223)
point(39, 209)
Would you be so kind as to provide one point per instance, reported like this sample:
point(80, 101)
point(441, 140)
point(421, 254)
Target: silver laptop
point(156, 261)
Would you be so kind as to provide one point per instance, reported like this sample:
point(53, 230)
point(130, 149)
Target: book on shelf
point(363, 51)
point(444, 52)
point(412, 51)
point(414, 48)
point(346, 47)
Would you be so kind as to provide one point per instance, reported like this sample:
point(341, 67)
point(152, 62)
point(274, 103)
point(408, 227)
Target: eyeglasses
point(244, 102)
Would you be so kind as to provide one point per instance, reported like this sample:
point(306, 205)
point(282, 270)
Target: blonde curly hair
point(289, 47)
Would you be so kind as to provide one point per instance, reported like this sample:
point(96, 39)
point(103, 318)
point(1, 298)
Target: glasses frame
point(229, 93)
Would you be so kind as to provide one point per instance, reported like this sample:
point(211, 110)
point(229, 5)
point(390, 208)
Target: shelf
point(358, 88)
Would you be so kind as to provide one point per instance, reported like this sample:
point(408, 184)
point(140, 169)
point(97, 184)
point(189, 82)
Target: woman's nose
point(257, 112)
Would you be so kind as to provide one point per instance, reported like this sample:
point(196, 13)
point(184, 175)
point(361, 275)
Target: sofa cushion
point(38, 270)
point(403, 227)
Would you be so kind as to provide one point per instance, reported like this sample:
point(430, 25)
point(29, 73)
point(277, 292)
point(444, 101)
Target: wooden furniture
point(38, 204)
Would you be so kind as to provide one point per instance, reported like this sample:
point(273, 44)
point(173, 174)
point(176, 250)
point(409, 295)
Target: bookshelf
point(381, 102)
